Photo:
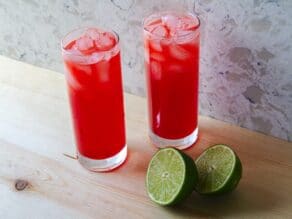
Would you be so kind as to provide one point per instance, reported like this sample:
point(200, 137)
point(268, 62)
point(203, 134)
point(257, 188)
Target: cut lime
point(171, 176)
point(219, 170)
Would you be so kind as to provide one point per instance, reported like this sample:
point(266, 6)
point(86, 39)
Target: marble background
point(246, 55)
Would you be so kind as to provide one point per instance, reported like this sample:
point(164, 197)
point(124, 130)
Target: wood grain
point(37, 149)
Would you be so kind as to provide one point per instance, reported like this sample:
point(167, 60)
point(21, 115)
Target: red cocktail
point(92, 60)
point(171, 42)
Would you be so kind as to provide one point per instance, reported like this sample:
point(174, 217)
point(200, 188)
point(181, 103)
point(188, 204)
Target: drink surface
point(171, 42)
point(95, 91)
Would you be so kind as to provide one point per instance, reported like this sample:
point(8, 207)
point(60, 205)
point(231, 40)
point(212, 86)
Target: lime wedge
point(219, 170)
point(171, 176)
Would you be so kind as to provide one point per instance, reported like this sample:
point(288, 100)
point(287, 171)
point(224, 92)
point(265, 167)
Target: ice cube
point(160, 31)
point(103, 71)
point(72, 54)
point(93, 33)
point(175, 68)
point(107, 56)
point(72, 81)
point(188, 23)
point(115, 50)
point(178, 52)
point(170, 21)
point(157, 57)
point(84, 44)
point(186, 36)
point(105, 41)
point(184, 32)
point(156, 45)
point(155, 69)
point(95, 57)
point(84, 69)
point(153, 24)
point(166, 42)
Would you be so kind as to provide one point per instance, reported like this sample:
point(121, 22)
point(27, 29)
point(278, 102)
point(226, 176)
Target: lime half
point(171, 176)
point(219, 170)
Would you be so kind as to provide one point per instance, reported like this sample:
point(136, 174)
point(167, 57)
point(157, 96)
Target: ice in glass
point(171, 43)
point(93, 75)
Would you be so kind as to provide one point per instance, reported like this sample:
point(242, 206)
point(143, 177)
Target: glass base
point(181, 143)
point(104, 164)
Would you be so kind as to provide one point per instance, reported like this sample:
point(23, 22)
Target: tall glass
point(92, 60)
point(171, 43)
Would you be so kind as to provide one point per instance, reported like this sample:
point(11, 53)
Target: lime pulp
point(171, 176)
point(219, 170)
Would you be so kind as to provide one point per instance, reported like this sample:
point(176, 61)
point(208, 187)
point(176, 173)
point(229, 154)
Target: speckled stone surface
point(246, 50)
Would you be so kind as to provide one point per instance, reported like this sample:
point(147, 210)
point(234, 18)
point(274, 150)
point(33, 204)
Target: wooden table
point(36, 147)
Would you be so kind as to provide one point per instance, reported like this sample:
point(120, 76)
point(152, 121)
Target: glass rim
point(183, 12)
point(84, 28)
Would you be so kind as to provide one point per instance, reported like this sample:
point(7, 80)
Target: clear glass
point(172, 76)
point(94, 83)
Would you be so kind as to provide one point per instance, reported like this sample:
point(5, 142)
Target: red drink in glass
point(171, 42)
point(92, 60)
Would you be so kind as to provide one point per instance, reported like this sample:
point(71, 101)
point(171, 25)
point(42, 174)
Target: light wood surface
point(37, 147)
